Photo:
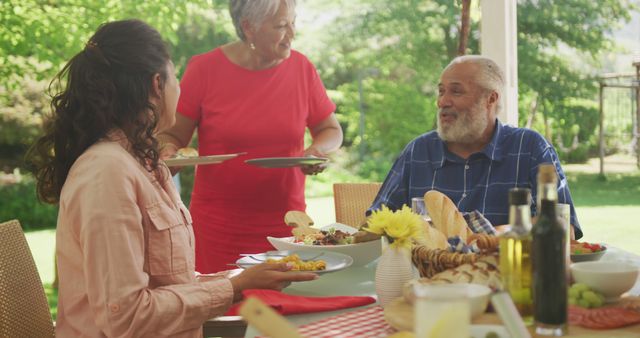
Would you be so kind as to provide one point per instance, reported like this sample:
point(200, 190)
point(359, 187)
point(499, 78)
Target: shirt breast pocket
point(168, 242)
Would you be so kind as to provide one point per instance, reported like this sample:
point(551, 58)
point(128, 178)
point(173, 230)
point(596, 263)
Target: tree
point(38, 37)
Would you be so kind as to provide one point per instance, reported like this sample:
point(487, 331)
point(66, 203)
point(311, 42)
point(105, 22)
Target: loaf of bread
point(482, 271)
point(485, 242)
point(433, 238)
point(445, 215)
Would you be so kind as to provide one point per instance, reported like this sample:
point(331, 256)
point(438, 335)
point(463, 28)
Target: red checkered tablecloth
point(364, 323)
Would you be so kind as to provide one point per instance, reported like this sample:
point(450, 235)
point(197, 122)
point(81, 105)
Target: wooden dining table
point(359, 281)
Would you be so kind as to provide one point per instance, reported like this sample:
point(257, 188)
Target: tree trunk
point(547, 128)
point(449, 42)
point(464, 27)
point(532, 113)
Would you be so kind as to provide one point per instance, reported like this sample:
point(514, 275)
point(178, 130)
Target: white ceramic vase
point(393, 271)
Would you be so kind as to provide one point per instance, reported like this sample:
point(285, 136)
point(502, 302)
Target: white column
point(498, 41)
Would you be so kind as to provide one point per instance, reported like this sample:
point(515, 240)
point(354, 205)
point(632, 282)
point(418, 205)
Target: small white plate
point(335, 261)
point(200, 160)
point(285, 162)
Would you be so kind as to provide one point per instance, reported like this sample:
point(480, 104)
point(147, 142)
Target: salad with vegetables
point(332, 236)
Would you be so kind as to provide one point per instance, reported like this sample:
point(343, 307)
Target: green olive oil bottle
point(515, 253)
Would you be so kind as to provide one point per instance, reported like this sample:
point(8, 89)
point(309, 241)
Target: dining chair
point(352, 200)
point(24, 311)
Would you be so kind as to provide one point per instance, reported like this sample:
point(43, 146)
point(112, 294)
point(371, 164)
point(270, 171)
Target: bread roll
point(445, 215)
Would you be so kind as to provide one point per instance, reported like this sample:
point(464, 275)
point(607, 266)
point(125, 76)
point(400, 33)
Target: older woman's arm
point(327, 137)
point(176, 137)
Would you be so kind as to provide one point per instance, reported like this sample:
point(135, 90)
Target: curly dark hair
point(104, 87)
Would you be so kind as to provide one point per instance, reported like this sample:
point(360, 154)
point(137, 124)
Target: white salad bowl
point(362, 253)
point(610, 278)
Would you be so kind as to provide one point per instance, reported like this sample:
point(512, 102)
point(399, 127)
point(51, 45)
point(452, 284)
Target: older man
point(472, 157)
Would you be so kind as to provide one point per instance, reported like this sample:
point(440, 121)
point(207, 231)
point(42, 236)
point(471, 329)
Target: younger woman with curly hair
point(125, 245)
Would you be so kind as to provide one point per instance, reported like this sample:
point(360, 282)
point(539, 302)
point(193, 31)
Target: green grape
point(573, 301)
point(590, 296)
point(574, 293)
point(584, 303)
point(580, 287)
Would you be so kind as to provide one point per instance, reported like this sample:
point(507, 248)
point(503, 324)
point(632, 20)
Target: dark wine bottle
point(548, 258)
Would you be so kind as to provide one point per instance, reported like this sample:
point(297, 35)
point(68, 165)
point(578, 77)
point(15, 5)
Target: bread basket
point(430, 261)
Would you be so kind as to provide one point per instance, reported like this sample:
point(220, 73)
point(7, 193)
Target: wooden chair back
point(352, 200)
point(24, 311)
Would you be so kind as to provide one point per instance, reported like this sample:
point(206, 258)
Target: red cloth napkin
point(289, 304)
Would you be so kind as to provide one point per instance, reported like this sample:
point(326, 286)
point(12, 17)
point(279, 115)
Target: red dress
point(264, 113)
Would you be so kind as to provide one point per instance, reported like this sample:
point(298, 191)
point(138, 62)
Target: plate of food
point(336, 237)
point(189, 156)
point(318, 262)
point(286, 162)
point(583, 251)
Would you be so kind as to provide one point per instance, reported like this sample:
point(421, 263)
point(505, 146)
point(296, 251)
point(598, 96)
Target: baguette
point(445, 215)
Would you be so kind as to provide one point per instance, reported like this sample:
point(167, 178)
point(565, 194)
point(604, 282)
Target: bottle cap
point(547, 173)
point(520, 196)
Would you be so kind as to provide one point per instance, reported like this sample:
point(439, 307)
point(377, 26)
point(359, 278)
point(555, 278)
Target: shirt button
point(114, 307)
point(466, 167)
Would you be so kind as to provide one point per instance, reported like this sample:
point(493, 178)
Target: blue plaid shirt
point(481, 182)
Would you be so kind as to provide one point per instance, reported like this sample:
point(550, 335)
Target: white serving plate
point(285, 162)
point(199, 160)
point(335, 261)
point(362, 253)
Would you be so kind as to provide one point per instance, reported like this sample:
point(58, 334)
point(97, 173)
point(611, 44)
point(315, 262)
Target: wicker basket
point(432, 261)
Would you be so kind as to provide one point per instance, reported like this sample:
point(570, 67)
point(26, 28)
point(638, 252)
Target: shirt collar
point(493, 150)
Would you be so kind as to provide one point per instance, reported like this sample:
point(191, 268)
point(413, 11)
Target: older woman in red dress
point(259, 96)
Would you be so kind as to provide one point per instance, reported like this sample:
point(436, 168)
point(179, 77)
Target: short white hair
point(254, 11)
point(490, 77)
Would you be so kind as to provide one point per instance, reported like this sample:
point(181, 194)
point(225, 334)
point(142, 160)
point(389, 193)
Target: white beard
point(467, 127)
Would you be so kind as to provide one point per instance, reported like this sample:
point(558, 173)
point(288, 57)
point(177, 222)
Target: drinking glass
point(441, 311)
point(418, 207)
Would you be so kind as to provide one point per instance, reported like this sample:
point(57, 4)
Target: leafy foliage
point(38, 37)
point(19, 201)
point(409, 42)
point(34, 31)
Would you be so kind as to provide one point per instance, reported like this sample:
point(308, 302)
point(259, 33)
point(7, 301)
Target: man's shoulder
point(427, 138)
point(425, 145)
point(525, 136)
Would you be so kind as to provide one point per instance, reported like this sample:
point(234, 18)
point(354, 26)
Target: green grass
point(591, 190)
point(608, 210)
